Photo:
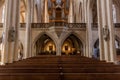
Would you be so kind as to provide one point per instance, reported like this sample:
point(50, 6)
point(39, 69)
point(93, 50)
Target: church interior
point(59, 40)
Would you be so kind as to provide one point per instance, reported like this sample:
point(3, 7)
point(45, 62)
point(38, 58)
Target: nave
point(59, 39)
point(51, 67)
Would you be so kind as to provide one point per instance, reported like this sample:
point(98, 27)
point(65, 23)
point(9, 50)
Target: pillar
point(58, 48)
point(101, 40)
point(39, 10)
point(106, 31)
point(89, 50)
point(29, 20)
point(89, 32)
point(46, 12)
point(32, 21)
point(10, 32)
point(70, 18)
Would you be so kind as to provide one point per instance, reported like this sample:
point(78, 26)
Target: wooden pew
point(60, 68)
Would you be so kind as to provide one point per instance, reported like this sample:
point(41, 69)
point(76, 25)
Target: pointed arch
point(63, 38)
point(20, 50)
point(48, 34)
point(74, 42)
point(44, 41)
point(96, 43)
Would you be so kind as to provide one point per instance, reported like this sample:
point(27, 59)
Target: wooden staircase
point(60, 68)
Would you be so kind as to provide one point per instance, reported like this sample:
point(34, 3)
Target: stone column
point(39, 13)
point(58, 48)
point(16, 24)
point(32, 10)
point(89, 51)
point(111, 30)
point(101, 40)
point(10, 32)
point(46, 12)
point(70, 19)
point(28, 29)
point(106, 30)
point(85, 10)
point(32, 21)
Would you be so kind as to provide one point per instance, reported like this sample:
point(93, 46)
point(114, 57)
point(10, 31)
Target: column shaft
point(111, 30)
point(10, 32)
point(106, 30)
point(89, 32)
point(28, 29)
point(70, 18)
point(101, 44)
point(46, 12)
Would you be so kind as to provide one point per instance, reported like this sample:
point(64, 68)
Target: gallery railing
point(69, 25)
point(95, 25)
point(117, 25)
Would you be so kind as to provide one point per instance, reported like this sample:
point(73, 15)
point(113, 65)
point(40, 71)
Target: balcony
point(95, 25)
point(57, 25)
point(68, 25)
point(78, 26)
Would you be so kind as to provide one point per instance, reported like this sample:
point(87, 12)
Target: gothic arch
point(96, 45)
point(68, 34)
point(20, 50)
point(97, 40)
point(50, 35)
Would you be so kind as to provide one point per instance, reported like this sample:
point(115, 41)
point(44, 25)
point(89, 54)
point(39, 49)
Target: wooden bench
point(60, 68)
